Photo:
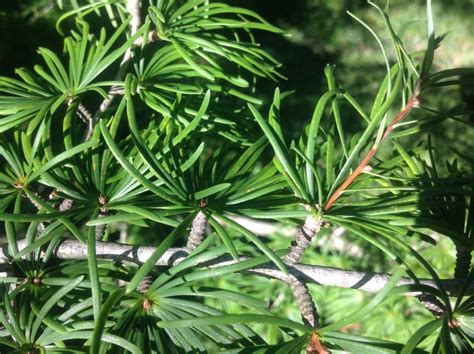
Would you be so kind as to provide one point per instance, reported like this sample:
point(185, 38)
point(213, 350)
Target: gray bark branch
point(311, 274)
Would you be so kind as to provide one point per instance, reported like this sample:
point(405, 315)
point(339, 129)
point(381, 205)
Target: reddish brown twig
point(315, 346)
point(414, 102)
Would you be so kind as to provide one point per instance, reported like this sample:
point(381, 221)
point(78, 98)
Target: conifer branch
point(309, 274)
point(133, 7)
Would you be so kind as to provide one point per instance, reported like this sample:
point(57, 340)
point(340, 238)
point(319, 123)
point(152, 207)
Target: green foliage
point(172, 154)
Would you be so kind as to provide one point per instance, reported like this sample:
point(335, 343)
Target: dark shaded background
point(319, 32)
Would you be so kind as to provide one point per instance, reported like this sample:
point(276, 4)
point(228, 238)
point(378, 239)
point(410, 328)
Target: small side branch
point(83, 113)
point(34, 202)
point(305, 302)
point(144, 285)
point(133, 7)
point(432, 304)
point(100, 229)
point(305, 234)
point(198, 230)
point(64, 205)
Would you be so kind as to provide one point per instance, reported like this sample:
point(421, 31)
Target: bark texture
point(310, 274)
point(144, 285)
point(198, 230)
point(305, 302)
point(303, 239)
point(432, 304)
point(100, 229)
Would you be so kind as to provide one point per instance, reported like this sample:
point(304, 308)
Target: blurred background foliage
point(318, 32)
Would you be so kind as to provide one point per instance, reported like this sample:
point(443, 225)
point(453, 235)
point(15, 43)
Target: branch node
point(453, 324)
